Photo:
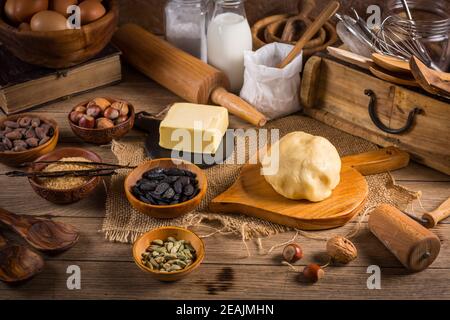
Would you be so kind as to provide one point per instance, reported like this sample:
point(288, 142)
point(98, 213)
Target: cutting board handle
point(378, 161)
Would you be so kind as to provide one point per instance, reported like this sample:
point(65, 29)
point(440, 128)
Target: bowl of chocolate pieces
point(165, 188)
point(25, 137)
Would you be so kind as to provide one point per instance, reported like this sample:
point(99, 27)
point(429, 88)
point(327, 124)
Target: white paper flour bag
point(273, 91)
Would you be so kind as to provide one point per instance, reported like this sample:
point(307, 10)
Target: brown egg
point(22, 10)
point(24, 27)
point(61, 6)
point(91, 10)
point(48, 21)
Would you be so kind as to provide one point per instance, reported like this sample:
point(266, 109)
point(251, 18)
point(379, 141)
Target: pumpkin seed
point(158, 242)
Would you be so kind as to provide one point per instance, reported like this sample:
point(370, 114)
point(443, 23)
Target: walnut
point(341, 250)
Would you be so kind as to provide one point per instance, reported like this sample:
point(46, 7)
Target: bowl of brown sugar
point(65, 189)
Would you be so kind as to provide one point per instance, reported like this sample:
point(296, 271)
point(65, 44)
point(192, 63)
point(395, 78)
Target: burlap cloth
point(124, 224)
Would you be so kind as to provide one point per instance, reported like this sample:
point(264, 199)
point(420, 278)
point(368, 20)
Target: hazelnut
point(104, 123)
point(341, 250)
point(40, 132)
point(7, 143)
point(101, 102)
point(94, 111)
point(75, 116)
point(32, 142)
point(313, 272)
point(111, 113)
point(122, 107)
point(87, 122)
point(35, 122)
point(80, 108)
point(292, 253)
point(11, 124)
point(121, 120)
point(44, 141)
point(14, 135)
point(24, 122)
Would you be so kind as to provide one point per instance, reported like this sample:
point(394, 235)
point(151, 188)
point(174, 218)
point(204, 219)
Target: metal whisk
point(395, 37)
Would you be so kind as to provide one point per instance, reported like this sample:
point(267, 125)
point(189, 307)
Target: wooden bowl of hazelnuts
point(102, 120)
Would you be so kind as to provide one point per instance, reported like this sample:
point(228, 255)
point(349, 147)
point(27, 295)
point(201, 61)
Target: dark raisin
point(190, 174)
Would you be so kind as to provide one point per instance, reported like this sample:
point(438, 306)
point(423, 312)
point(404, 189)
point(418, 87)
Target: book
point(24, 86)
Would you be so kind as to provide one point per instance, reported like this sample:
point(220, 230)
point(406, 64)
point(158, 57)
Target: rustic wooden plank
point(418, 172)
point(229, 249)
point(121, 280)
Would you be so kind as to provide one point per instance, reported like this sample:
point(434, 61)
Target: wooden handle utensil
point(318, 23)
point(432, 81)
point(42, 234)
point(18, 263)
point(414, 246)
point(434, 217)
point(181, 73)
point(351, 57)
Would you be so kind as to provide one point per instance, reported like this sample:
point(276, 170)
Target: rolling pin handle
point(238, 107)
point(434, 217)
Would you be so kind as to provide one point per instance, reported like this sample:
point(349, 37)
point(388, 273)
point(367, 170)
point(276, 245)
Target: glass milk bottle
point(186, 22)
point(229, 35)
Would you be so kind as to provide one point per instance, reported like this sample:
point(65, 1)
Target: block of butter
point(193, 128)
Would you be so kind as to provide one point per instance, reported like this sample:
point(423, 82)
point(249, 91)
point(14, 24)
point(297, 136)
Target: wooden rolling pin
point(414, 246)
point(181, 73)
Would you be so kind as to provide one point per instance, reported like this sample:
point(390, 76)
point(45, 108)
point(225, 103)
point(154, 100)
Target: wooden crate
point(335, 93)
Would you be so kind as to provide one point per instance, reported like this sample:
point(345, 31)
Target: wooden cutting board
point(253, 196)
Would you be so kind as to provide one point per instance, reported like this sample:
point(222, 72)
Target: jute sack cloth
point(124, 224)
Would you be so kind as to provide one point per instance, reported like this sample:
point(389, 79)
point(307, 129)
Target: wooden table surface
point(108, 271)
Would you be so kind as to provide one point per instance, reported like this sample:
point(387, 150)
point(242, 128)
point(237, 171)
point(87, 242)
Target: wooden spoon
point(401, 79)
point(318, 23)
point(42, 234)
point(18, 263)
point(432, 81)
point(391, 64)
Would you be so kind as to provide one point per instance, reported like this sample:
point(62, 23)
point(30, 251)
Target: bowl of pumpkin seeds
point(169, 253)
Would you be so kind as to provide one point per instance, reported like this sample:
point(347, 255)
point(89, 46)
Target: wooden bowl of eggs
point(39, 32)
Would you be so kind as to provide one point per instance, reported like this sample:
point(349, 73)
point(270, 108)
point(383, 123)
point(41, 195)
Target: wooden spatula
point(312, 29)
point(252, 195)
point(42, 234)
point(18, 263)
point(432, 81)
point(397, 78)
point(351, 57)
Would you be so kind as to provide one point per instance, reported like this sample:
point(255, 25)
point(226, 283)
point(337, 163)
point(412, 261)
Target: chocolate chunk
point(188, 190)
point(169, 194)
point(161, 188)
point(174, 172)
point(148, 186)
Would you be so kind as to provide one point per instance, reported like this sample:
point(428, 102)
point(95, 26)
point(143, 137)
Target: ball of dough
point(309, 167)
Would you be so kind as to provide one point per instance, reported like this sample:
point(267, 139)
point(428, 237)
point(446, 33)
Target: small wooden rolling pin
point(181, 73)
point(414, 246)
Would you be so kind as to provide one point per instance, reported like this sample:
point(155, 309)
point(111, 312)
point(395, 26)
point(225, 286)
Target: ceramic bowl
point(163, 233)
point(71, 195)
point(15, 159)
point(104, 136)
point(169, 211)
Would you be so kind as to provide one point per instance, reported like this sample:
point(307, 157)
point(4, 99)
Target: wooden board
point(252, 195)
